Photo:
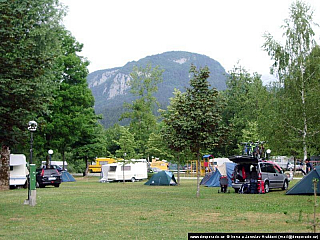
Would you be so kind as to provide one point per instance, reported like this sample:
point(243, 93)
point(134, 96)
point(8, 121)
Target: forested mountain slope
point(110, 88)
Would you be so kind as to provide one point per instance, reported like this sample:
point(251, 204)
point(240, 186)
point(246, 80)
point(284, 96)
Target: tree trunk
point(5, 168)
point(304, 114)
point(48, 163)
point(87, 167)
point(198, 175)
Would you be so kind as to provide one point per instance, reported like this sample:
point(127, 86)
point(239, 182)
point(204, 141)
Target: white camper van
point(18, 170)
point(135, 169)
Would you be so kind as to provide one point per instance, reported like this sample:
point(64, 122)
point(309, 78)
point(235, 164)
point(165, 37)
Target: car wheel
point(285, 185)
point(56, 185)
point(41, 185)
point(266, 187)
point(133, 179)
point(236, 190)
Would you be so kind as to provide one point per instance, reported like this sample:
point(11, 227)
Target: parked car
point(268, 172)
point(48, 176)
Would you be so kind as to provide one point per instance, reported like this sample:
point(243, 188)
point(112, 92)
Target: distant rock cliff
point(110, 86)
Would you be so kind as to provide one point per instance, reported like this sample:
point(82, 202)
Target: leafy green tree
point(270, 125)
point(195, 116)
point(172, 133)
point(157, 147)
point(71, 113)
point(112, 136)
point(244, 97)
point(144, 84)
point(290, 64)
point(90, 144)
point(312, 73)
point(126, 143)
point(29, 44)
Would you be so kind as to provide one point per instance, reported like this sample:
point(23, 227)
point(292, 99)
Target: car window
point(263, 167)
point(50, 171)
point(267, 167)
point(276, 169)
point(270, 168)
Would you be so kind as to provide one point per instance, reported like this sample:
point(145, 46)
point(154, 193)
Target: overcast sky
point(115, 32)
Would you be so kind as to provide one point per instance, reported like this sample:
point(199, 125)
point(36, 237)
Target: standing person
point(308, 165)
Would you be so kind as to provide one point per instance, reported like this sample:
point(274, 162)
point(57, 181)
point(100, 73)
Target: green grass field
point(87, 209)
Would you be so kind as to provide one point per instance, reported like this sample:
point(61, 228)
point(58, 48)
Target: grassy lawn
point(87, 209)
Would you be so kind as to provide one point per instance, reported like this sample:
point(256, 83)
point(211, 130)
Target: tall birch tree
point(290, 64)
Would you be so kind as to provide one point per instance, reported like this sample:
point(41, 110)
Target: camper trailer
point(132, 170)
point(18, 170)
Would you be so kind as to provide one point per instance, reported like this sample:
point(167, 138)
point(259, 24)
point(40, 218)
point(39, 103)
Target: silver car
point(268, 172)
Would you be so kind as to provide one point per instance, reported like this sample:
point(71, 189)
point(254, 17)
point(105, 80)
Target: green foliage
point(143, 85)
point(312, 74)
point(202, 111)
point(112, 136)
point(71, 125)
point(192, 121)
point(126, 143)
point(157, 146)
point(29, 43)
point(295, 98)
point(245, 108)
point(171, 131)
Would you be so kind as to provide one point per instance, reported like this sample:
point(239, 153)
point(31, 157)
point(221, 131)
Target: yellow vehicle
point(96, 167)
point(157, 166)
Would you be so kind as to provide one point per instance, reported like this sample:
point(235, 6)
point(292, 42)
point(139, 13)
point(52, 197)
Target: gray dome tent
point(163, 178)
point(305, 185)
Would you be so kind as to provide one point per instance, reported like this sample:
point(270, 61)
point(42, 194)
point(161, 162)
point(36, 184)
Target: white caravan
point(18, 170)
point(132, 170)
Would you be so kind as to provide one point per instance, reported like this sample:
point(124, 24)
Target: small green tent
point(305, 185)
point(163, 178)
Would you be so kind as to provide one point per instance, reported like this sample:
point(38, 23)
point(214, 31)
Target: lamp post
point(50, 152)
point(32, 127)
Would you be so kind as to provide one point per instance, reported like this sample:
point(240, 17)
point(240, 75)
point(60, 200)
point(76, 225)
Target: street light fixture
point(32, 127)
point(50, 153)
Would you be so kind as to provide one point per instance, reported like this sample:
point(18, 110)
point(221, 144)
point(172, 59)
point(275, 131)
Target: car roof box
point(243, 159)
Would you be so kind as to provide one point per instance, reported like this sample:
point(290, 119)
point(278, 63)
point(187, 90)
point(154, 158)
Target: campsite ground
point(87, 209)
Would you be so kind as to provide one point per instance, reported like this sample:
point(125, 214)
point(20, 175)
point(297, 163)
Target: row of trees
point(44, 79)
